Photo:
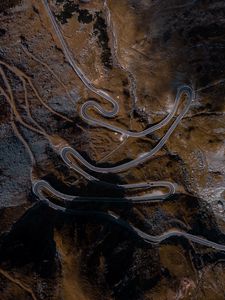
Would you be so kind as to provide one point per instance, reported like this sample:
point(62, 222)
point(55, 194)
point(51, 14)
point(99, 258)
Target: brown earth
point(162, 44)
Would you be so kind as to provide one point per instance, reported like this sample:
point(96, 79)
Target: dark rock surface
point(149, 49)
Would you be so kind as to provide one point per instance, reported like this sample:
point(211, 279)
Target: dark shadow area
point(31, 241)
point(113, 258)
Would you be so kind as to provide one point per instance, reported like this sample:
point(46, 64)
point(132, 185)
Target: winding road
point(142, 158)
point(153, 239)
point(67, 152)
point(40, 185)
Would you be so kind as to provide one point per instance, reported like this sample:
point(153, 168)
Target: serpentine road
point(115, 110)
point(153, 239)
point(142, 158)
point(39, 185)
point(66, 152)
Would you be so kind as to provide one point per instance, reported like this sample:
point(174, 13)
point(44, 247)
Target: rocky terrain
point(139, 53)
